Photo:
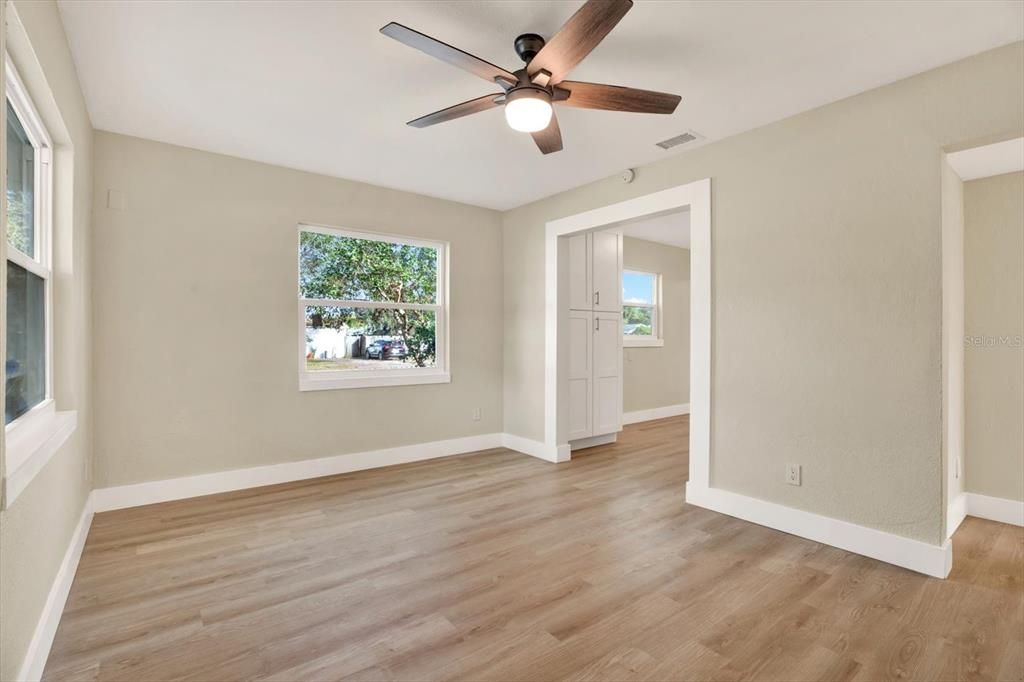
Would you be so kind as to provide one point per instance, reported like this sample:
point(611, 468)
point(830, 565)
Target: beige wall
point(660, 376)
point(196, 316)
point(994, 311)
point(826, 257)
point(36, 529)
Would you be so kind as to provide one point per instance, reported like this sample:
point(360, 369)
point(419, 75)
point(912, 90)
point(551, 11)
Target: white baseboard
point(46, 627)
point(933, 560)
point(995, 508)
point(535, 448)
point(151, 492)
point(655, 413)
point(955, 514)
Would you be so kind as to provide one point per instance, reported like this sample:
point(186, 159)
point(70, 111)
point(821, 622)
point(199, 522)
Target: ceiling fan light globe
point(528, 112)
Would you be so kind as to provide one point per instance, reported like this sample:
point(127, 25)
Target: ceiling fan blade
point(466, 108)
point(550, 139)
point(615, 98)
point(578, 37)
point(447, 53)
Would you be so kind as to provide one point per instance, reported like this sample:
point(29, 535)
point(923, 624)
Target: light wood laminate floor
point(498, 566)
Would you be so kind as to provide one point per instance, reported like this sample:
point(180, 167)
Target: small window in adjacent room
point(372, 310)
point(641, 308)
point(27, 365)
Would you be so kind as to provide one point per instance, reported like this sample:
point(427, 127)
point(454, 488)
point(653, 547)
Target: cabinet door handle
point(597, 324)
point(597, 298)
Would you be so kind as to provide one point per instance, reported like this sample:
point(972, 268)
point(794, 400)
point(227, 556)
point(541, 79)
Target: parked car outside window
point(386, 349)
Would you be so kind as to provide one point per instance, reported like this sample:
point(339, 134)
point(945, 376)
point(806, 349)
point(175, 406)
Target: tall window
point(641, 308)
point(27, 366)
point(372, 310)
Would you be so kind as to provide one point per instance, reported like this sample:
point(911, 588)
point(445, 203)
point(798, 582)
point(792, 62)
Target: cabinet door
point(607, 373)
point(581, 382)
point(606, 265)
point(580, 296)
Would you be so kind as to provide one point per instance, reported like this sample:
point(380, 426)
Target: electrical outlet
point(793, 474)
point(476, 414)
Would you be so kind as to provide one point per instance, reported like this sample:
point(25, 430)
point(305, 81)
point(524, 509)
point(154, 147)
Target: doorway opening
point(983, 333)
point(693, 199)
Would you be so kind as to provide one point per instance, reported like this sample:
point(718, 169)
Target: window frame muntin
point(342, 379)
point(655, 338)
point(42, 264)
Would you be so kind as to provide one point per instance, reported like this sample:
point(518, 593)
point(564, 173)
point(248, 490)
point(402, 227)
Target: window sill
point(32, 440)
point(628, 342)
point(313, 382)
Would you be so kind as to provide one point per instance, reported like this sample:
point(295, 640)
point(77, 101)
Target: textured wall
point(994, 266)
point(660, 376)
point(36, 529)
point(826, 257)
point(196, 310)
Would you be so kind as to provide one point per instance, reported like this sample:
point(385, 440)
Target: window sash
point(388, 305)
point(438, 247)
point(40, 264)
point(32, 123)
point(653, 290)
point(331, 379)
point(655, 329)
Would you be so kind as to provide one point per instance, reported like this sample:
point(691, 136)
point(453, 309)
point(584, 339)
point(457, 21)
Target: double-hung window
point(27, 370)
point(372, 309)
point(33, 429)
point(641, 308)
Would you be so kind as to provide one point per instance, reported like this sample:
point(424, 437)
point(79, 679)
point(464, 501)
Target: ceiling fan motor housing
point(528, 45)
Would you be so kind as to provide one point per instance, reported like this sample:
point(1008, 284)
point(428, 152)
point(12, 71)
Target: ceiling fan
point(530, 91)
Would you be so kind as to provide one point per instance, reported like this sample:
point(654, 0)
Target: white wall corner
point(933, 560)
point(46, 627)
point(955, 514)
point(655, 413)
point(995, 508)
point(535, 448)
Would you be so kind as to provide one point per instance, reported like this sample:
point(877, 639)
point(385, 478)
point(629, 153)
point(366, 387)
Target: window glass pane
point(26, 341)
point(348, 268)
point(637, 320)
point(368, 339)
point(21, 178)
point(637, 287)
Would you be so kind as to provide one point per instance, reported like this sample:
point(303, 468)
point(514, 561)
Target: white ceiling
point(992, 159)
point(672, 229)
point(314, 86)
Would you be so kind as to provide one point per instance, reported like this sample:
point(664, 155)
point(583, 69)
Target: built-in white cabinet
point(607, 374)
point(581, 291)
point(594, 335)
point(606, 271)
point(595, 272)
point(581, 379)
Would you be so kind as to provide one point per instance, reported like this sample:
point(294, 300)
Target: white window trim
point(326, 380)
point(34, 437)
point(655, 339)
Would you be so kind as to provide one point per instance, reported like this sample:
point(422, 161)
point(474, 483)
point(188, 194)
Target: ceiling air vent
point(688, 136)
